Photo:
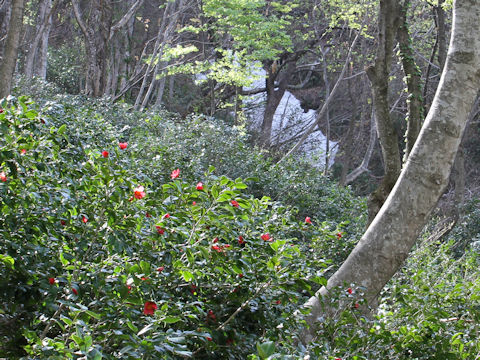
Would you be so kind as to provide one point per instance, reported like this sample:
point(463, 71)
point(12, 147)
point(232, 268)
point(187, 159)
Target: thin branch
point(121, 23)
point(244, 305)
point(368, 154)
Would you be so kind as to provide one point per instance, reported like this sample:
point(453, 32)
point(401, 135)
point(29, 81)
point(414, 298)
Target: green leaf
point(8, 260)
point(145, 329)
point(266, 349)
point(171, 320)
point(187, 275)
point(61, 130)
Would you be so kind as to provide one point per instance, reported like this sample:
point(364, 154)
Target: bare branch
point(128, 15)
point(324, 108)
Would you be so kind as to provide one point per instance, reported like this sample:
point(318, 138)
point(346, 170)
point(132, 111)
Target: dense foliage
point(119, 240)
point(118, 244)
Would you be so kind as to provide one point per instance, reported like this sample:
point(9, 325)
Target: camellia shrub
point(107, 255)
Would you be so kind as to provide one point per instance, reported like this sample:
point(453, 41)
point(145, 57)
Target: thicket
point(146, 235)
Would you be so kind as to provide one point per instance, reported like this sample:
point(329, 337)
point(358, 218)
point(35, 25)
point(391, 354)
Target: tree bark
point(9, 60)
point(388, 22)
point(389, 238)
point(413, 76)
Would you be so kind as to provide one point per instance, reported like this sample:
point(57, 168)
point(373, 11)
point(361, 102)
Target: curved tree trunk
point(389, 238)
point(9, 60)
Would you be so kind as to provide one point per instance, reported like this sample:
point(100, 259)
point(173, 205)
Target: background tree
point(389, 238)
point(9, 59)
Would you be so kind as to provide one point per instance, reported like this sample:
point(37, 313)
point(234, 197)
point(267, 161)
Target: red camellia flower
point(339, 235)
point(105, 154)
point(266, 237)
point(166, 216)
point(23, 151)
point(211, 315)
point(149, 308)
point(240, 276)
point(215, 240)
point(144, 278)
point(74, 291)
point(217, 248)
point(160, 230)
point(51, 281)
point(84, 219)
point(349, 290)
point(356, 305)
point(63, 222)
point(194, 203)
point(139, 192)
point(241, 241)
point(148, 215)
point(160, 269)
point(123, 146)
point(209, 338)
point(226, 246)
point(200, 186)
point(278, 302)
point(235, 203)
point(175, 174)
point(308, 220)
point(3, 177)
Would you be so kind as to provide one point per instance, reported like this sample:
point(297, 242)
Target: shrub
point(106, 254)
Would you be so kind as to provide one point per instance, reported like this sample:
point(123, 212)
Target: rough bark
point(9, 60)
point(413, 76)
point(389, 238)
point(388, 22)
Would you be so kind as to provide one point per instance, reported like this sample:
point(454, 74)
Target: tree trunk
point(41, 29)
point(389, 238)
point(378, 74)
point(413, 76)
point(273, 100)
point(9, 60)
point(441, 33)
point(40, 69)
point(5, 13)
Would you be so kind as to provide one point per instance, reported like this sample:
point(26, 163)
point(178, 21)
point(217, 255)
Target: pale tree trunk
point(40, 69)
point(390, 237)
point(388, 21)
point(141, 100)
point(170, 19)
point(413, 77)
point(37, 48)
point(98, 31)
point(5, 12)
point(9, 60)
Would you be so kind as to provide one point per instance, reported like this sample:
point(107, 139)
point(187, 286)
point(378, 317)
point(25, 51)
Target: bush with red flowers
point(84, 272)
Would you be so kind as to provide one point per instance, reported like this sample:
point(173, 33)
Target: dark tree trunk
point(413, 76)
point(388, 21)
point(274, 96)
